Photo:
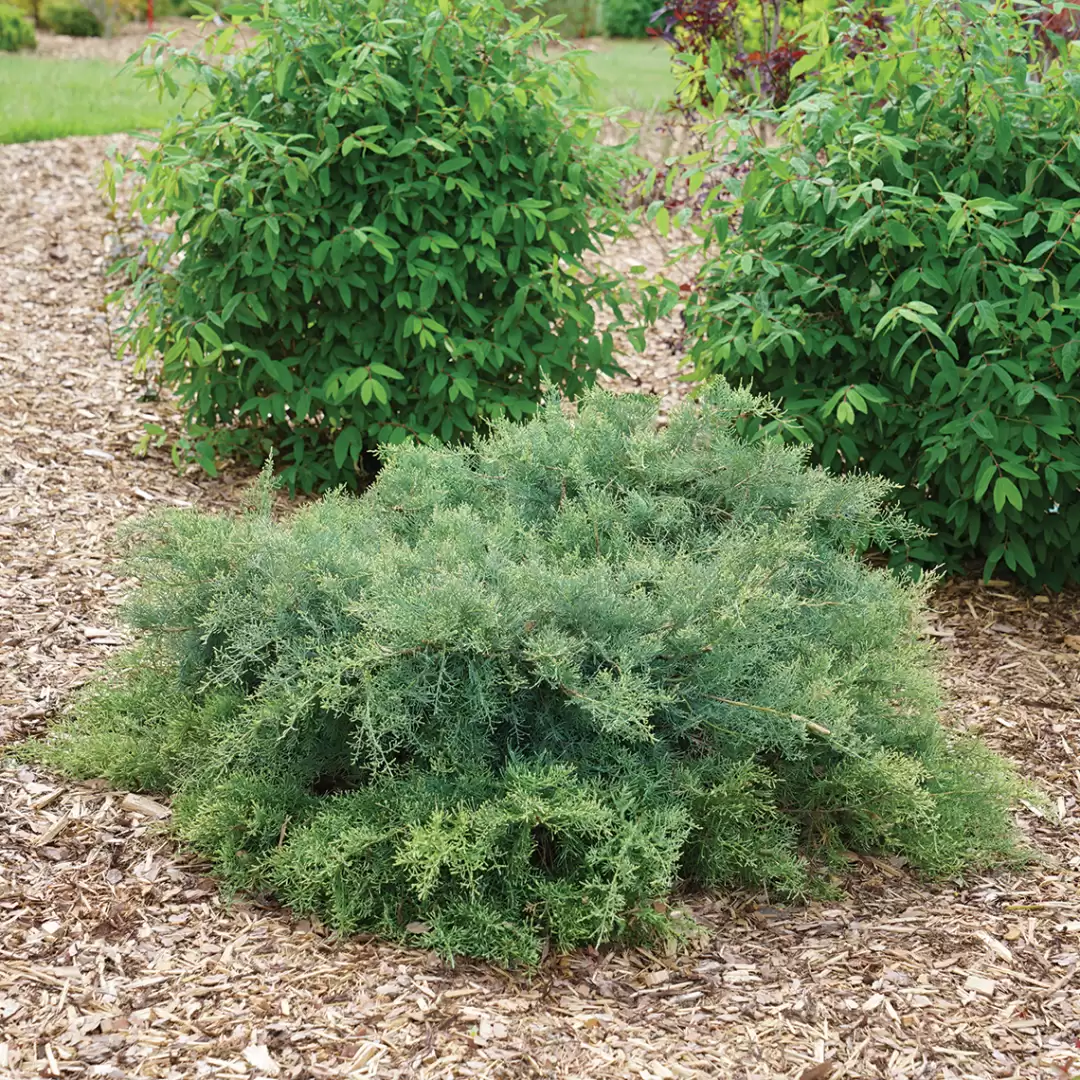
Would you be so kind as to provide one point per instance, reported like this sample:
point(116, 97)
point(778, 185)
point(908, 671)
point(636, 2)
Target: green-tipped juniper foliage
point(522, 690)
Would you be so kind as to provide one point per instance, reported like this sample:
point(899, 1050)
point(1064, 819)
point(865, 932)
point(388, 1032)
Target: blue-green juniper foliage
point(520, 691)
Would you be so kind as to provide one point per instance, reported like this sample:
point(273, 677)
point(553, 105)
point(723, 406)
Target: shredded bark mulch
point(125, 39)
point(119, 958)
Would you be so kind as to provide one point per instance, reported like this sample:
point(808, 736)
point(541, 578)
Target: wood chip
point(144, 805)
point(52, 832)
point(259, 1057)
point(119, 957)
point(981, 985)
point(995, 946)
point(821, 1071)
point(365, 1054)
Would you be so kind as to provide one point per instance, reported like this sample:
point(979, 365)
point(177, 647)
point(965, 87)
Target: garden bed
point(125, 39)
point(117, 955)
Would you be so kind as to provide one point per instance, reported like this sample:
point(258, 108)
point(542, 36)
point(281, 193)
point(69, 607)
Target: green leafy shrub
point(29, 8)
point(903, 279)
point(746, 46)
point(628, 18)
point(71, 18)
point(15, 31)
point(518, 690)
point(383, 217)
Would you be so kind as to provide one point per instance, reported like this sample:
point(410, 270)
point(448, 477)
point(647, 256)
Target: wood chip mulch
point(118, 957)
point(125, 39)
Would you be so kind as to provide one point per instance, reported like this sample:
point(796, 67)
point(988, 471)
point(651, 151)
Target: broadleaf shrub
point(628, 18)
point(518, 691)
point(903, 274)
point(734, 49)
point(71, 18)
point(383, 213)
point(16, 32)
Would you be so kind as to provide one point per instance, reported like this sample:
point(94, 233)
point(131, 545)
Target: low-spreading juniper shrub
point(520, 691)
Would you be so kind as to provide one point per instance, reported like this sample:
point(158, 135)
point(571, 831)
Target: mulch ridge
point(118, 957)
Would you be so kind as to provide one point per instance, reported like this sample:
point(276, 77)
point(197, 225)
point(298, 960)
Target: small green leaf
point(386, 372)
point(1006, 491)
point(478, 101)
point(856, 399)
point(986, 474)
point(345, 445)
point(901, 234)
point(209, 335)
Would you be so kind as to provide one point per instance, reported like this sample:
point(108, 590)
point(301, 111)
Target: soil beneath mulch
point(118, 957)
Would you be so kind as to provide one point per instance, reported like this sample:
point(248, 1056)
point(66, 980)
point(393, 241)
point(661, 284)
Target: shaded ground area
point(118, 958)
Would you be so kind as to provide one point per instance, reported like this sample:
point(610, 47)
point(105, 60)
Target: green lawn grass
point(44, 98)
point(636, 74)
point(48, 99)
